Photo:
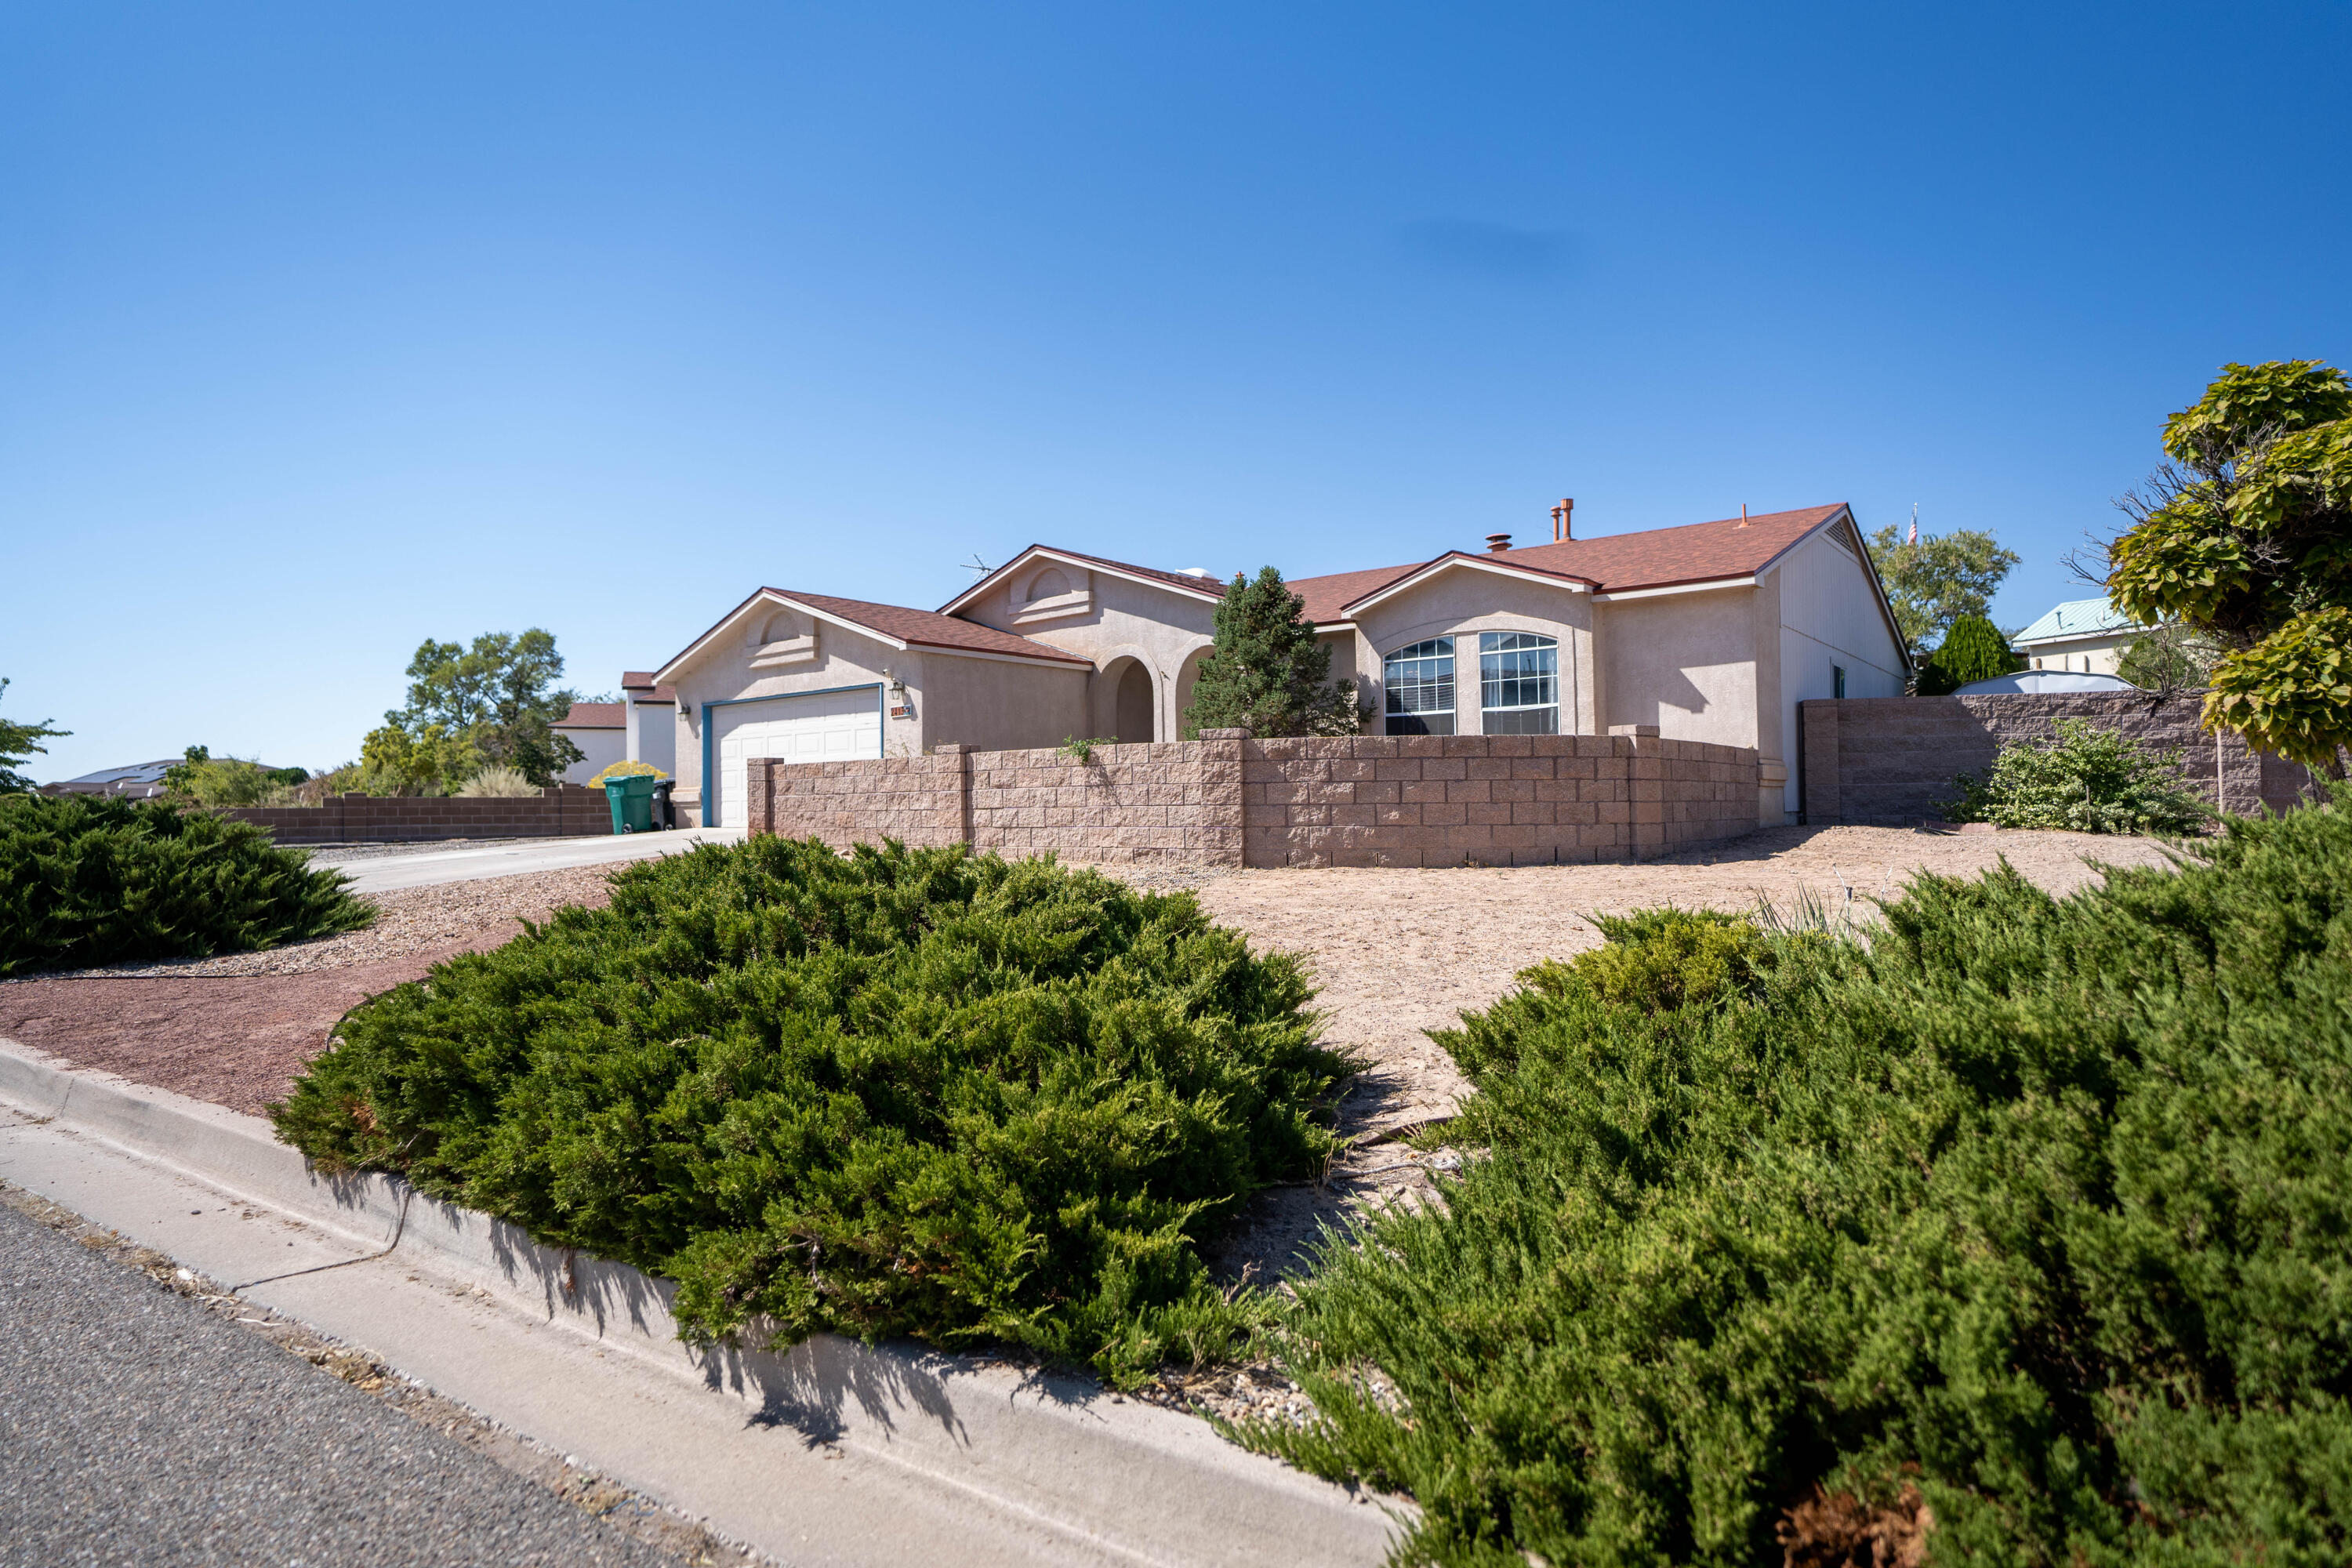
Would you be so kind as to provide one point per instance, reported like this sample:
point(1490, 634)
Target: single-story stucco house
point(2087, 635)
point(1711, 632)
point(601, 731)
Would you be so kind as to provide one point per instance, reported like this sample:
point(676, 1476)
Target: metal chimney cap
point(1498, 542)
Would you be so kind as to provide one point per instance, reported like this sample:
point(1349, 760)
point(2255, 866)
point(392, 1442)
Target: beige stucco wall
point(977, 701)
point(2093, 655)
point(1830, 620)
point(1462, 603)
point(1685, 662)
point(1109, 620)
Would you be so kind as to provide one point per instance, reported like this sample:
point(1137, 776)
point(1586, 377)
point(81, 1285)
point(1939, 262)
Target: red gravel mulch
point(235, 1040)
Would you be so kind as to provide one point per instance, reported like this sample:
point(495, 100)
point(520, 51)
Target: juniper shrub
point(85, 880)
point(2023, 1232)
point(910, 1091)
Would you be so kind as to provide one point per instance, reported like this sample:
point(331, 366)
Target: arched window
point(1518, 684)
point(1420, 682)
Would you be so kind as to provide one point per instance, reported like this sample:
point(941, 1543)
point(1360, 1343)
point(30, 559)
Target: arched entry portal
point(1188, 675)
point(1132, 704)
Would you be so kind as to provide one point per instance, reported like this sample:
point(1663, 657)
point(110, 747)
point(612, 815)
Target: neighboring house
point(1710, 632)
point(601, 731)
point(652, 721)
point(139, 781)
point(2085, 635)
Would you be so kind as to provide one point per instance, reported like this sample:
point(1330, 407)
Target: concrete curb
point(1133, 1482)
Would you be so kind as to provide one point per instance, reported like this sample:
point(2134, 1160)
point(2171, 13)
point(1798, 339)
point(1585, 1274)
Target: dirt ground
point(1395, 953)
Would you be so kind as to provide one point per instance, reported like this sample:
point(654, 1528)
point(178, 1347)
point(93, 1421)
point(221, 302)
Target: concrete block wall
point(918, 801)
point(1174, 801)
point(564, 811)
point(1891, 760)
point(1496, 800)
point(1491, 800)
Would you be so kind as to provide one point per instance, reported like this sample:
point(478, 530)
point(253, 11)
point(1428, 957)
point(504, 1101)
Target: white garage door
point(825, 727)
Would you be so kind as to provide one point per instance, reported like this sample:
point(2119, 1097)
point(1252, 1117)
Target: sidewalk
point(834, 1453)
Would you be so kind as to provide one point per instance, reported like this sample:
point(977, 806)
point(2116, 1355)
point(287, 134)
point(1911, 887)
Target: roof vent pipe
point(1743, 514)
point(1563, 521)
point(1498, 543)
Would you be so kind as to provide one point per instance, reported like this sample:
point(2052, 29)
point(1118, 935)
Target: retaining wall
point(564, 811)
point(1422, 800)
point(1891, 760)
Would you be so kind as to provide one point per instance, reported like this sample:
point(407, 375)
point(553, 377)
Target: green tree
point(2167, 658)
point(1934, 583)
point(1973, 649)
point(18, 743)
point(496, 702)
point(2245, 536)
point(227, 781)
point(1266, 672)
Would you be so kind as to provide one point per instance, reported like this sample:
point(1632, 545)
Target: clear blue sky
point(326, 329)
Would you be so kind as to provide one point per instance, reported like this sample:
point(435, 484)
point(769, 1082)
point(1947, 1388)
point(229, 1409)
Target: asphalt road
point(385, 873)
point(137, 1427)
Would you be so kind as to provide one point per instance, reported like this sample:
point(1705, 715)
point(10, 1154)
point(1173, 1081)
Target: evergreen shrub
point(1973, 650)
point(2087, 780)
point(911, 1091)
point(2021, 1235)
point(86, 880)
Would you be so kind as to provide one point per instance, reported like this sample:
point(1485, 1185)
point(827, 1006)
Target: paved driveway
point(386, 873)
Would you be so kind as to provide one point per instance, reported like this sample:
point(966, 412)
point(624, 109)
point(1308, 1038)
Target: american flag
point(1915, 524)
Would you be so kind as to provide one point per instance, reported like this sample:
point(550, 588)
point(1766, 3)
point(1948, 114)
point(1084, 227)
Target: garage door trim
point(709, 806)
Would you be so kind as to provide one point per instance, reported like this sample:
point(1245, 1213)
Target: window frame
point(1546, 677)
point(1422, 721)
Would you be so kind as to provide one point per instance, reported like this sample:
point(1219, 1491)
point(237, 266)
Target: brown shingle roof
point(641, 683)
point(1327, 597)
point(926, 628)
point(594, 716)
point(1653, 558)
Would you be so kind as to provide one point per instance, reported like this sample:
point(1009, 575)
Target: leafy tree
point(491, 705)
point(2169, 659)
point(1266, 672)
point(2246, 537)
point(224, 781)
point(1973, 649)
point(19, 742)
point(1944, 576)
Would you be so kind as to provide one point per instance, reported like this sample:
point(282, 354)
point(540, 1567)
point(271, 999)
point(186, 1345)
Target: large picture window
point(1518, 684)
point(1420, 682)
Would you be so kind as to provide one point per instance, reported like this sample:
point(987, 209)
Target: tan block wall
point(916, 800)
point(1435, 800)
point(565, 811)
point(1893, 759)
point(1167, 801)
point(1490, 800)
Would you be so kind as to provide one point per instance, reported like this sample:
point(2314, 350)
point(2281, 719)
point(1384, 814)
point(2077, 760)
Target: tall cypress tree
point(1973, 649)
point(1266, 672)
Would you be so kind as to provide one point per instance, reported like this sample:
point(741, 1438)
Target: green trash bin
point(633, 801)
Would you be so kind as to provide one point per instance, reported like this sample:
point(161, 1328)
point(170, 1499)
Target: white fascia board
point(1467, 563)
point(1322, 628)
point(1047, 553)
point(944, 651)
point(1708, 586)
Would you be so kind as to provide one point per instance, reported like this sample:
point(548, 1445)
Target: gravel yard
point(1395, 953)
